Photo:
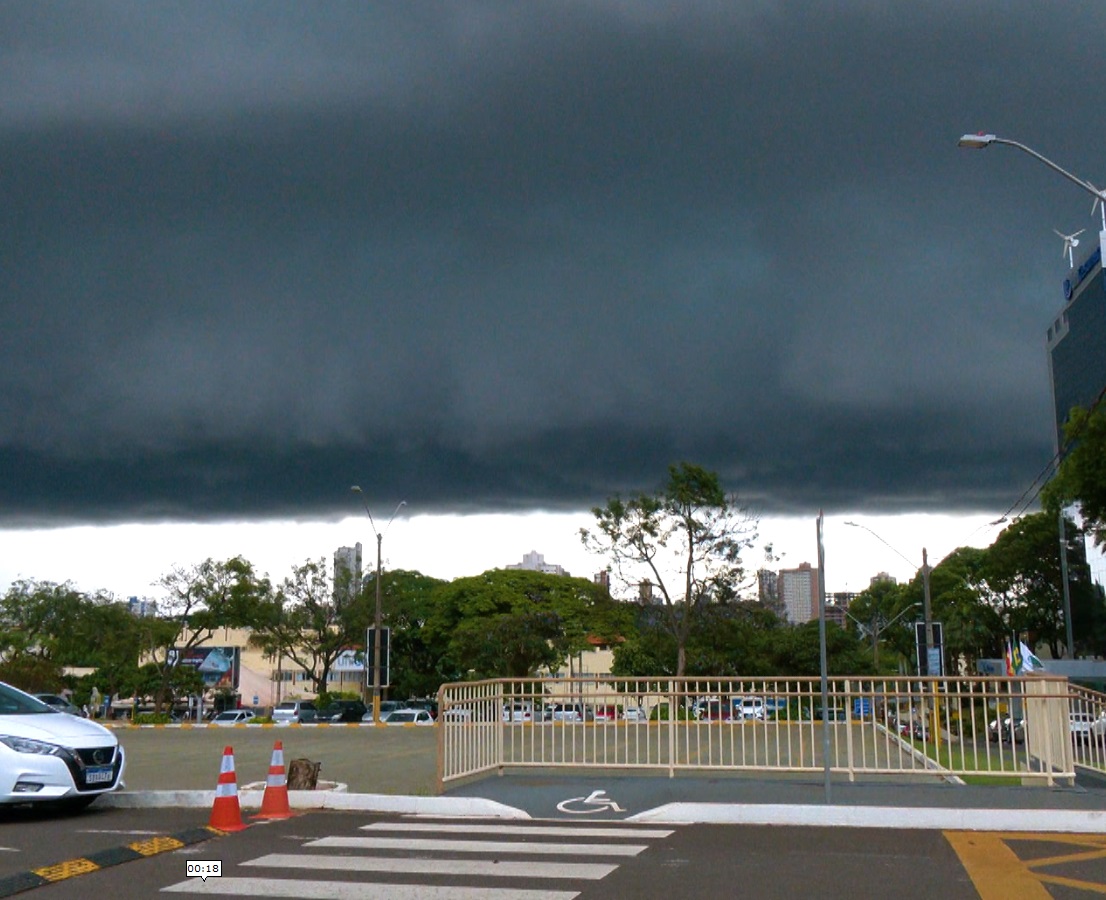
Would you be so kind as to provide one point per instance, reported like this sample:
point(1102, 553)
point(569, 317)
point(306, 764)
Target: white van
point(750, 708)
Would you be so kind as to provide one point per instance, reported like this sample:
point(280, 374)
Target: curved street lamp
point(982, 141)
point(379, 616)
point(979, 142)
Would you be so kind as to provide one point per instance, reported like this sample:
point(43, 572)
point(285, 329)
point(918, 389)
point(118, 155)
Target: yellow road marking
point(155, 845)
point(67, 869)
point(995, 870)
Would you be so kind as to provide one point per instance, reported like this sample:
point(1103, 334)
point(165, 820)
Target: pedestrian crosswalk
point(447, 860)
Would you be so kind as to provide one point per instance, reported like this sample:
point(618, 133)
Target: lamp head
point(975, 141)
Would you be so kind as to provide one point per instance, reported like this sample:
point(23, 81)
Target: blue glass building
point(1077, 342)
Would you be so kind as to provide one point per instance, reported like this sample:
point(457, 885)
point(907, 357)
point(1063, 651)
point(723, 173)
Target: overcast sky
point(500, 257)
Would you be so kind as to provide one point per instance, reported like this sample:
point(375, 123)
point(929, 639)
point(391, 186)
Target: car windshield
point(16, 703)
point(286, 706)
point(401, 717)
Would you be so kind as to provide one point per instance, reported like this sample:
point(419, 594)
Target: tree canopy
point(685, 539)
point(512, 622)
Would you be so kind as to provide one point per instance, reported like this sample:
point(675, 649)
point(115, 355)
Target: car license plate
point(99, 775)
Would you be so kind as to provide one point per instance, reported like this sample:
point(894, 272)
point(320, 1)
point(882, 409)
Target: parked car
point(634, 714)
point(295, 711)
point(562, 712)
point(387, 707)
point(234, 717)
point(61, 704)
point(748, 708)
point(343, 711)
point(518, 712)
point(410, 717)
point(48, 757)
point(429, 704)
point(1009, 732)
point(1082, 726)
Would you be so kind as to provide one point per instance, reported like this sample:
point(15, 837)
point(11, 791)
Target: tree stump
point(303, 774)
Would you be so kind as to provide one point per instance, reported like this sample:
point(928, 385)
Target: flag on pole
point(1029, 661)
point(1009, 660)
point(1016, 660)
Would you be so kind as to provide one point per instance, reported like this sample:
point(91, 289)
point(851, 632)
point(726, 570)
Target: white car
point(634, 714)
point(518, 712)
point(234, 717)
point(48, 756)
point(410, 717)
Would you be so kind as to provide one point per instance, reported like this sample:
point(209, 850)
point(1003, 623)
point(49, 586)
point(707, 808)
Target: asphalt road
point(347, 855)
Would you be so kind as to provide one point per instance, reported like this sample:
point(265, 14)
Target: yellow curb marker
point(67, 869)
point(156, 845)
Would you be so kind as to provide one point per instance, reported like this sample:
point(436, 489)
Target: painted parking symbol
point(596, 801)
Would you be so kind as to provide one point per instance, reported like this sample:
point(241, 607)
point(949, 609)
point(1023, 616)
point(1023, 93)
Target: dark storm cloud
point(489, 256)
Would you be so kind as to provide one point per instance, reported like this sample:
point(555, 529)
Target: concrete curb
point(896, 817)
point(337, 800)
point(926, 818)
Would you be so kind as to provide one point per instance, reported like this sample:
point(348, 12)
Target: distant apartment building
point(347, 572)
point(535, 562)
point(882, 578)
point(798, 593)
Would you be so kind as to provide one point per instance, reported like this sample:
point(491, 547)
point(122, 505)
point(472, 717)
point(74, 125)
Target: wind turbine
point(1071, 241)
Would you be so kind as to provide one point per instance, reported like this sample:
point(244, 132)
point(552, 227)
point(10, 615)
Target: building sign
point(1083, 271)
point(930, 659)
point(219, 667)
point(349, 661)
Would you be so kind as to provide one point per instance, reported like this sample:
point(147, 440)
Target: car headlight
point(26, 745)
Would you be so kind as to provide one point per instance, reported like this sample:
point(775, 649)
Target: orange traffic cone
point(226, 814)
point(274, 805)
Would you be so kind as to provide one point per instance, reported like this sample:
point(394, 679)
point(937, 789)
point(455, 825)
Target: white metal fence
point(1010, 728)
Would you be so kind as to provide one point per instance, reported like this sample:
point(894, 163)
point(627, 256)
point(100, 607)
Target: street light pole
point(927, 614)
point(877, 628)
point(979, 142)
point(378, 618)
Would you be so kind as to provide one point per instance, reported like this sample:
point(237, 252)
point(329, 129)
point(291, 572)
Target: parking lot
point(375, 760)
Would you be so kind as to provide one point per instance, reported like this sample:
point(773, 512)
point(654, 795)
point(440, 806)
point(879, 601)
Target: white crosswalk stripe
point(397, 850)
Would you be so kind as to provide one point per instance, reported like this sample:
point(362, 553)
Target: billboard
point(219, 667)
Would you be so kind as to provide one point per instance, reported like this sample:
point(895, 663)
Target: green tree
point(1022, 571)
point(419, 664)
point(1081, 477)
point(195, 602)
point(798, 651)
point(512, 622)
point(685, 539)
point(881, 614)
point(305, 622)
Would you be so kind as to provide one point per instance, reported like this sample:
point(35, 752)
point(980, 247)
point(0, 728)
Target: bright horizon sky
point(128, 559)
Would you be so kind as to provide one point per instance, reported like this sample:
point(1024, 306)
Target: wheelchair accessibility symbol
point(596, 801)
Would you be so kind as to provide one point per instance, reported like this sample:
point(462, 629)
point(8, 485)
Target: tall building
point(798, 592)
point(347, 572)
point(1077, 342)
point(535, 562)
